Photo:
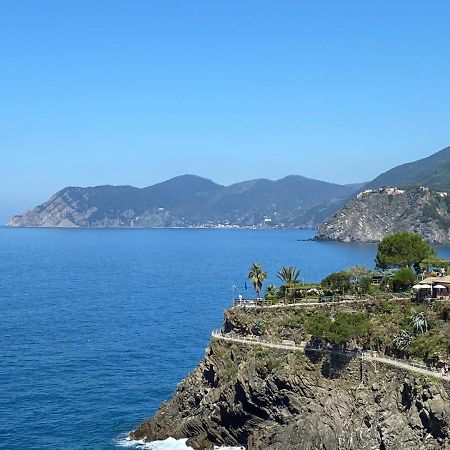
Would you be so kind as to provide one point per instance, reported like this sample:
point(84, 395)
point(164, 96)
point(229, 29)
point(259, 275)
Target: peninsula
point(358, 361)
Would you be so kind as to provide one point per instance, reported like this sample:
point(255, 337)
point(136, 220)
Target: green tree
point(257, 275)
point(338, 281)
point(357, 273)
point(288, 275)
point(403, 279)
point(403, 249)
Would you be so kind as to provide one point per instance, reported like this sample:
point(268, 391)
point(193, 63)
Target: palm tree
point(257, 275)
point(288, 275)
point(419, 323)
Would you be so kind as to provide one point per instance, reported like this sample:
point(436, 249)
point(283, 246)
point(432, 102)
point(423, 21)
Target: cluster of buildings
point(395, 191)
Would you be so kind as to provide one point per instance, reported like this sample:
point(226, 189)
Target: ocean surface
point(98, 326)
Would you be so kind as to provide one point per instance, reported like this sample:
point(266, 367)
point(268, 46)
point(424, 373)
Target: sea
point(97, 327)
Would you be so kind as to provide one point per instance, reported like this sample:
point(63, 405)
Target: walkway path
point(254, 304)
point(255, 341)
point(368, 356)
point(247, 303)
point(412, 367)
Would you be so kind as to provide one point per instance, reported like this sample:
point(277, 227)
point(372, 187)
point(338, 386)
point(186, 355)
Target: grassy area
point(388, 326)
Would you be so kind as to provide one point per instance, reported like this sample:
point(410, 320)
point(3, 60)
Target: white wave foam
point(167, 444)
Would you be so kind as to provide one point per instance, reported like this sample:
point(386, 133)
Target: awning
point(421, 286)
point(439, 286)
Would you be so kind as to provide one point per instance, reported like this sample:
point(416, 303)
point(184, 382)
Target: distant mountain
point(433, 172)
point(380, 209)
point(191, 201)
point(284, 201)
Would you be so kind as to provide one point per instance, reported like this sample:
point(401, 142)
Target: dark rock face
point(376, 213)
point(277, 400)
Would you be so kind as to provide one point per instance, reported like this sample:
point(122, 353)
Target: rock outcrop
point(266, 399)
point(374, 214)
point(76, 208)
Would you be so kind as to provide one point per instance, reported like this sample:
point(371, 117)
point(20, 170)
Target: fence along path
point(365, 355)
point(267, 304)
point(262, 303)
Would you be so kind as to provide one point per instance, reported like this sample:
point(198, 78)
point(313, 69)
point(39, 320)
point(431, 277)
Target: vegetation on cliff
point(265, 399)
point(320, 394)
point(371, 325)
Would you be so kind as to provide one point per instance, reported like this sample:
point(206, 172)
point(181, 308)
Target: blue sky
point(135, 92)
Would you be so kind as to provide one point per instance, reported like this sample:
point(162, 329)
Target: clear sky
point(135, 92)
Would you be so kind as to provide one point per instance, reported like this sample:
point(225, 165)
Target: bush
point(338, 281)
point(318, 326)
point(444, 313)
point(425, 347)
point(366, 285)
point(403, 279)
point(343, 328)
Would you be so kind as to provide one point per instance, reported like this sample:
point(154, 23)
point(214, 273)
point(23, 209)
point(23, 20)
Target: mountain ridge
point(193, 201)
point(416, 173)
point(188, 201)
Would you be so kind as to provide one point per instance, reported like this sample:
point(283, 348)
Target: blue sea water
point(98, 326)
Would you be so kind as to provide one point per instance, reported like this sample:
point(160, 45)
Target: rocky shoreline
point(281, 400)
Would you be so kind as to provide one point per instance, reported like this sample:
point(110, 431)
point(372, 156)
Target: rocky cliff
point(373, 214)
point(269, 399)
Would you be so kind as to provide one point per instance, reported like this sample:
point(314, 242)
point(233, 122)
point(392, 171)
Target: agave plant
point(257, 275)
point(402, 340)
point(419, 323)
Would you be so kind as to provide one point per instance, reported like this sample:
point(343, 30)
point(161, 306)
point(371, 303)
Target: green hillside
point(433, 171)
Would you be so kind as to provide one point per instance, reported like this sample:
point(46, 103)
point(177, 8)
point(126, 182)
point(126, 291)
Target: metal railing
point(314, 301)
point(372, 354)
point(252, 303)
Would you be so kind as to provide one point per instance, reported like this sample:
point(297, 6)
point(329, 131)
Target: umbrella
point(439, 286)
point(421, 286)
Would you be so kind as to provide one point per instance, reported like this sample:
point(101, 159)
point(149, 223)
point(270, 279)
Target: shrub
point(444, 313)
point(344, 327)
point(338, 281)
point(403, 279)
